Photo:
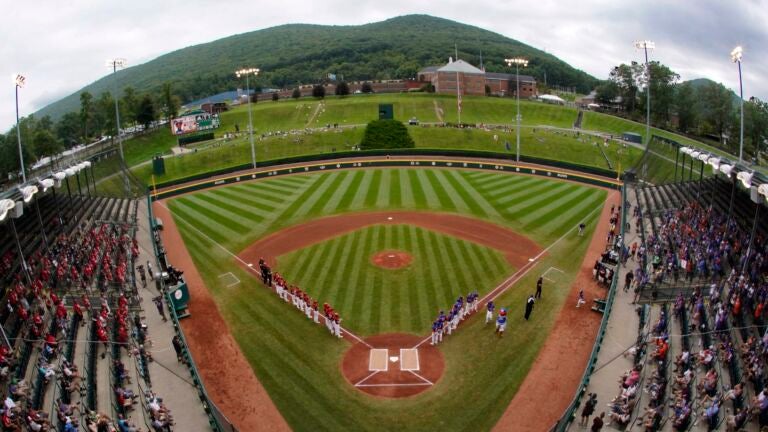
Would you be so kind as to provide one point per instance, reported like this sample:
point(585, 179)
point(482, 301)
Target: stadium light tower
point(736, 58)
point(247, 72)
point(517, 61)
point(646, 45)
point(115, 64)
point(18, 82)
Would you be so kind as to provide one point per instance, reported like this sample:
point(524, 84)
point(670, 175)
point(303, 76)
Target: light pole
point(18, 81)
point(736, 58)
point(119, 63)
point(115, 64)
point(248, 72)
point(646, 45)
point(517, 61)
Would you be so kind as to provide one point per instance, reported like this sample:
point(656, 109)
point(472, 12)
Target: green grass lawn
point(374, 300)
point(541, 142)
point(298, 363)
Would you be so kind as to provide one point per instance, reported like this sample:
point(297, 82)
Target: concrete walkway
point(170, 379)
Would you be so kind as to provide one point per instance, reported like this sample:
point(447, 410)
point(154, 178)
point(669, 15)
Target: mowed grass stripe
point(534, 188)
point(382, 200)
point(326, 193)
point(446, 201)
point(373, 190)
point(406, 193)
point(349, 278)
point(358, 202)
point(432, 200)
point(517, 182)
point(211, 218)
point(443, 297)
point(395, 194)
point(428, 299)
point(232, 208)
point(555, 207)
point(462, 189)
point(290, 211)
point(359, 294)
point(542, 199)
point(260, 191)
point(419, 197)
point(314, 202)
point(416, 283)
point(349, 193)
point(322, 286)
point(270, 188)
point(341, 192)
point(559, 224)
point(245, 200)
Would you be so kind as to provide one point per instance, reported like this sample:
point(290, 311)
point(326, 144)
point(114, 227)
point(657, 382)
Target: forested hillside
point(301, 53)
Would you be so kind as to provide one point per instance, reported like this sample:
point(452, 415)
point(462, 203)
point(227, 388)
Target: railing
point(218, 421)
point(570, 412)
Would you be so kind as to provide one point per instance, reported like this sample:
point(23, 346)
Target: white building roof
point(460, 66)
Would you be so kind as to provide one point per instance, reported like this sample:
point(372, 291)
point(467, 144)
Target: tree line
point(42, 137)
point(702, 108)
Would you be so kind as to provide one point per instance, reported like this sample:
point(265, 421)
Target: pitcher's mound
point(393, 365)
point(391, 259)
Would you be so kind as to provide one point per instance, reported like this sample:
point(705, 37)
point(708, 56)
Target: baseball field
point(517, 229)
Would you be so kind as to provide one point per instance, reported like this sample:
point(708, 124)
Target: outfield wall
point(444, 162)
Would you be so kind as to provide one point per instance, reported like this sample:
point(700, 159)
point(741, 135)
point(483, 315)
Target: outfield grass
point(298, 363)
point(373, 300)
point(539, 142)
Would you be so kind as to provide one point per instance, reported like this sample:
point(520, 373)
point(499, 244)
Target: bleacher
point(60, 235)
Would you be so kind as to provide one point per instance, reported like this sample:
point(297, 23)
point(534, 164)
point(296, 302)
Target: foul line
point(504, 286)
point(248, 266)
point(359, 383)
point(394, 385)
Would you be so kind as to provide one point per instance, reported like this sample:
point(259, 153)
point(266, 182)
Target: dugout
point(632, 137)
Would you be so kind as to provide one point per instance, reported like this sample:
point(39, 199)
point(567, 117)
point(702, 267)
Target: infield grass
point(298, 362)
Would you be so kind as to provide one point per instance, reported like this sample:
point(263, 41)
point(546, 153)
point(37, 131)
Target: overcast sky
point(60, 46)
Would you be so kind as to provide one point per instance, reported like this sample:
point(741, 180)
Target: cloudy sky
point(62, 45)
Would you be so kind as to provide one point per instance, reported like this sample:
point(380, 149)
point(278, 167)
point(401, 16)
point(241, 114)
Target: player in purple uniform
point(489, 311)
point(435, 331)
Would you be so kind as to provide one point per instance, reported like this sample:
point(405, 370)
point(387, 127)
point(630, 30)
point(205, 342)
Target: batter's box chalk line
point(233, 280)
point(547, 272)
point(409, 362)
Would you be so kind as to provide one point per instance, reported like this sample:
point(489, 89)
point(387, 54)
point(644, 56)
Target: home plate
point(391, 255)
point(394, 359)
point(389, 218)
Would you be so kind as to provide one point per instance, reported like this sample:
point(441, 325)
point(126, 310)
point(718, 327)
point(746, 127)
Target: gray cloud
point(61, 46)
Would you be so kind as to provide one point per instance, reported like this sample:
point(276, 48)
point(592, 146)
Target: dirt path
point(438, 111)
point(312, 118)
point(516, 248)
point(228, 377)
point(554, 377)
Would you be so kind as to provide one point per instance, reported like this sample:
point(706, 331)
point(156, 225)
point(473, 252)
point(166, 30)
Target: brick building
point(472, 81)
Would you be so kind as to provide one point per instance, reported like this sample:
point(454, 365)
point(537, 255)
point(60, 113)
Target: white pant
point(434, 338)
point(488, 317)
point(316, 316)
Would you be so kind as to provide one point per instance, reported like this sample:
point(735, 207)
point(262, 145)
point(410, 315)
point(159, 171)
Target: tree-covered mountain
point(303, 53)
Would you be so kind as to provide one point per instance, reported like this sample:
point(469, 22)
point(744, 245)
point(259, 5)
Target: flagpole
point(458, 95)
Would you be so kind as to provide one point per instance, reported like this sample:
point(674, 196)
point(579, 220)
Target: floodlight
point(516, 61)
point(737, 53)
point(27, 192)
point(46, 183)
point(745, 177)
point(645, 44)
point(5, 206)
point(762, 189)
point(18, 79)
point(247, 71)
point(117, 63)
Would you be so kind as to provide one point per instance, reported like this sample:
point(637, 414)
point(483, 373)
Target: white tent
point(552, 99)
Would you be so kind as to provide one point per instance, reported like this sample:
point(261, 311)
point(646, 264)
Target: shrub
point(318, 91)
point(386, 134)
point(296, 93)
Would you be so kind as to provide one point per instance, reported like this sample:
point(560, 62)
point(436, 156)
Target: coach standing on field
point(529, 307)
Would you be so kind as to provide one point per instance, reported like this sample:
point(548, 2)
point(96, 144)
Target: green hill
point(302, 53)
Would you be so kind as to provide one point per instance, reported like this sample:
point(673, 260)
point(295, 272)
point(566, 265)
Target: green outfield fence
point(570, 412)
point(320, 166)
point(394, 152)
point(217, 420)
